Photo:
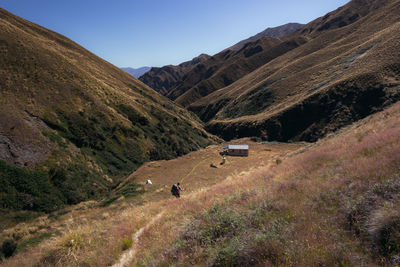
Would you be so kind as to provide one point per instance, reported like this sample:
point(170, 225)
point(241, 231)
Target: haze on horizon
point(156, 32)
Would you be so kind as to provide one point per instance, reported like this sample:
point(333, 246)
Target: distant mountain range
point(136, 72)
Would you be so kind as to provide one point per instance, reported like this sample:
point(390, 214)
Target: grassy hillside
point(79, 121)
point(185, 85)
point(165, 78)
point(347, 69)
point(333, 203)
point(228, 66)
point(331, 72)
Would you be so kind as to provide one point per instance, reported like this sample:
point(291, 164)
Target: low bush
point(33, 241)
point(127, 191)
point(29, 190)
point(226, 237)
point(8, 248)
point(126, 243)
point(384, 230)
point(374, 216)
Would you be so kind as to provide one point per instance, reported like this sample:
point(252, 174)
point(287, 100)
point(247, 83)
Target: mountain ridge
point(251, 92)
point(277, 32)
point(174, 81)
point(346, 66)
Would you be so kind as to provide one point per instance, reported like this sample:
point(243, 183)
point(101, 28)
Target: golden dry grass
point(68, 113)
point(333, 63)
point(308, 192)
point(89, 234)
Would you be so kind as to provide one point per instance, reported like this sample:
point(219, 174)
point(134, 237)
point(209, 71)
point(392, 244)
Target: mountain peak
point(276, 32)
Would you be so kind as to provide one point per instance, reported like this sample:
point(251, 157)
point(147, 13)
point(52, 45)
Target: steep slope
point(136, 72)
point(226, 67)
point(348, 68)
point(185, 85)
point(276, 32)
point(81, 123)
point(164, 78)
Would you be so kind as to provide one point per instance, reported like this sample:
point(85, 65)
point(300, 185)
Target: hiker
point(223, 161)
point(212, 165)
point(179, 188)
point(176, 190)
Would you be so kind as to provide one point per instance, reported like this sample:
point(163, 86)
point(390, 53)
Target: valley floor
point(194, 172)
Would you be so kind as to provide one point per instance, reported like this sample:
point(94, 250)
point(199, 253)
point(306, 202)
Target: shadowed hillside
point(164, 78)
point(348, 68)
point(75, 122)
point(335, 70)
point(226, 67)
point(185, 85)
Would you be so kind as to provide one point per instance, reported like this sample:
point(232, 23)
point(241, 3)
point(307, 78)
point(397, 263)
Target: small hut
point(238, 150)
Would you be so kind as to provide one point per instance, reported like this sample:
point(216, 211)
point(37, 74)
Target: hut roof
point(245, 147)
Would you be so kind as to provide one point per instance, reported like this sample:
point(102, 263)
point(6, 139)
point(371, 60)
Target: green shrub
point(23, 216)
point(33, 241)
point(228, 255)
point(127, 191)
point(8, 248)
point(227, 237)
point(29, 190)
point(126, 243)
point(384, 229)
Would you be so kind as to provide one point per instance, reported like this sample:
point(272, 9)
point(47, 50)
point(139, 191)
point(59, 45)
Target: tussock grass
point(330, 205)
point(335, 204)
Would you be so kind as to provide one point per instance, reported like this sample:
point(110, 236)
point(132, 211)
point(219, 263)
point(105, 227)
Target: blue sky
point(139, 33)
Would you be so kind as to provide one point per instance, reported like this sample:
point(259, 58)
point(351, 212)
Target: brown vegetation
point(334, 202)
point(331, 203)
point(192, 80)
point(347, 69)
point(75, 122)
point(331, 72)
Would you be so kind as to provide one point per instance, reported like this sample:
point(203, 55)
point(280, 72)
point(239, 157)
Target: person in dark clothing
point(176, 190)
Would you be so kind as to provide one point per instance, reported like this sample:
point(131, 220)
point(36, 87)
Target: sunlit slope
point(334, 202)
point(82, 121)
point(195, 79)
point(348, 69)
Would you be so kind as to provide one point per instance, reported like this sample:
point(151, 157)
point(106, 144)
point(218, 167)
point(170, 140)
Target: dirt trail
point(195, 174)
point(127, 257)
